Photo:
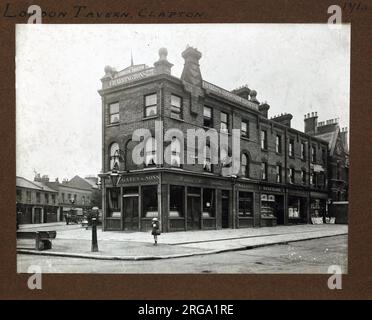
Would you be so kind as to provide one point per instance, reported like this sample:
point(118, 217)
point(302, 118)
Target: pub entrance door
point(37, 215)
point(130, 212)
point(193, 212)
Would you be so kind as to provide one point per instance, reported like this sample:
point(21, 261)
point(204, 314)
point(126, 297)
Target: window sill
point(291, 157)
point(265, 150)
point(150, 117)
point(245, 138)
point(116, 124)
point(177, 119)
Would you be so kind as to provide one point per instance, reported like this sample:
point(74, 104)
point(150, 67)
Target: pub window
point(303, 176)
point(207, 159)
point(245, 166)
point(28, 196)
point(176, 201)
point(175, 153)
point(291, 148)
point(245, 204)
point(114, 152)
point(176, 107)
point(150, 201)
point(208, 203)
point(37, 197)
point(244, 129)
point(303, 151)
point(278, 144)
point(264, 170)
point(207, 117)
point(151, 105)
point(313, 154)
point(150, 152)
point(278, 173)
point(224, 122)
point(114, 112)
point(263, 139)
point(113, 203)
point(291, 175)
point(19, 195)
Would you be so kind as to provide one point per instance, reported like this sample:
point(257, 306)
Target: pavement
point(75, 242)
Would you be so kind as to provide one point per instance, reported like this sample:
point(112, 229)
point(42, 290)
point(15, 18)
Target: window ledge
point(116, 124)
point(150, 117)
point(245, 138)
point(177, 119)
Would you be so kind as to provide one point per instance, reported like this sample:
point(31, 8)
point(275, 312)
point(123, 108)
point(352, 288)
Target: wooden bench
point(42, 238)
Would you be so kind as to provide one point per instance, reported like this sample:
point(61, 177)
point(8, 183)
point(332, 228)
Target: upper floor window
point(175, 153)
point(245, 166)
point(324, 156)
point(150, 152)
point(53, 198)
point(114, 156)
point(28, 196)
point(63, 197)
point(207, 159)
point(150, 105)
point(313, 153)
point(303, 176)
point(176, 107)
point(264, 170)
point(244, 129)
point(207, 117)
point(278, 144)
point(303, 150)
point(291, 175)
point(224, 122)
point(278, 173)
point(291, 148)
point(37, 197)
point(46, 198)
point(114, 112)
point(19, 195)
point(83, 200)
point(312, 178)
point(263, 139)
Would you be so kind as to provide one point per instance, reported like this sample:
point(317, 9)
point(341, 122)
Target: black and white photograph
point(182, 148)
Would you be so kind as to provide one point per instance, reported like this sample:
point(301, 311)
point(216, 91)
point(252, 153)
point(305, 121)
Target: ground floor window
point(245, 204)
point(176, 201)
point(317, 208)
point(268, 206)
point(113, 202)
point(150, 201)
point(208, 203)
point(297, 209)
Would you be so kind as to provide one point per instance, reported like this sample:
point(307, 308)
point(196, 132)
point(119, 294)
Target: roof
point(330, 137)
point(78, 182)
point(24, 183)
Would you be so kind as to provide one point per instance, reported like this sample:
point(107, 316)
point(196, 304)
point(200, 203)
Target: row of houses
point(44, 201)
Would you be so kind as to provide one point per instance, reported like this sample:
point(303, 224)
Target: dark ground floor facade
point(187, 201)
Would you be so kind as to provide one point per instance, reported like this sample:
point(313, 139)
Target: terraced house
point(283, 175)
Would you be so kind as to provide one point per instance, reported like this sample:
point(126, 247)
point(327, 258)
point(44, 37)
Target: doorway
point(193, 209)
point(130, 209)
point(37, 215)
point(225, 209)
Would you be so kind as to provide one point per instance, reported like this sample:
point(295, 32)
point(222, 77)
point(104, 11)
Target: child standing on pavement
point(155, 230)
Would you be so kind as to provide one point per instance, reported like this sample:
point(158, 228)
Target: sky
point(296, 68)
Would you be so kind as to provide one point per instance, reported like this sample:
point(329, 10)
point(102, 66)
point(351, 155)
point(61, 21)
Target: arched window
point(150, 152)
point(245, 166)
point(175, 152)
point(114, 156)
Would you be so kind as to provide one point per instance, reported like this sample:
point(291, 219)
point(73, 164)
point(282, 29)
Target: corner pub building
point(283, 174)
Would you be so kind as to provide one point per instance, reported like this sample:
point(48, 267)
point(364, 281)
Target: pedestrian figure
point(155, 230)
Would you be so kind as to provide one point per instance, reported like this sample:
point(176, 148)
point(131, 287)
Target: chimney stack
point(343, 135)
point(191, 70)
point(242, 92)
point(264, 109)
point(311, 123)
point(163, 65)
point(284, 119)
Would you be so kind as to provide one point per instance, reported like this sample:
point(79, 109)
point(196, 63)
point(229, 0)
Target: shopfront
point(272, 211)
point(318, 207)
point(298, 206)
point(247, 204)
